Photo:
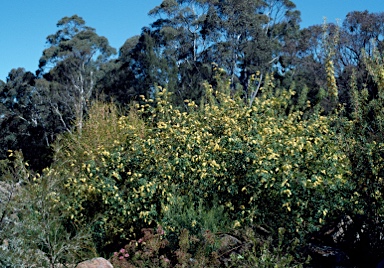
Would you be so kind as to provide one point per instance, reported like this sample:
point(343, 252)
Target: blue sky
point(25, 24)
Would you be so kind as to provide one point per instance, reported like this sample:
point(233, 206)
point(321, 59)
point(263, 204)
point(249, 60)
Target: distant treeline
point(188, 44)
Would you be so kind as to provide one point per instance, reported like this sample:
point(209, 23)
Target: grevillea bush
point(263, 164)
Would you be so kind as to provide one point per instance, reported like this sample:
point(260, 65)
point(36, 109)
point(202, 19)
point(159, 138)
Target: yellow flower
point(236, 224)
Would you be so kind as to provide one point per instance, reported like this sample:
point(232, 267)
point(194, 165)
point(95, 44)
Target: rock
point(232, 245)
point(380, 264)
point(95, 263)
point(350, 240)
point(328, 256)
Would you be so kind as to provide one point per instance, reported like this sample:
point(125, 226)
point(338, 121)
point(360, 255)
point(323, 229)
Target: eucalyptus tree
point(151, 64)
point(182, 28)
point(254, 35)
point(71, 65)
point(360, 30)
point(118, 82)
point(308, 60)
point(141, 66)
point(361, 33)
point(243, 37)
point(25, 119)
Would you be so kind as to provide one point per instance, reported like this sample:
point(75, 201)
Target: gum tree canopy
point(70, 64)
point(243, 37)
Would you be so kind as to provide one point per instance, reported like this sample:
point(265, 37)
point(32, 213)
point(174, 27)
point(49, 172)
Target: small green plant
point(237, 248)
point(258, 251)
point(197, 217)
point(38, 234)
point(154, 250)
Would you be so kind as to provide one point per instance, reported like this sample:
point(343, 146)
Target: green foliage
point(242, 151)
point(242, 36)
point(243, 248)
point(264, 253)
point(261, 164)
point(182, 213)
point(363, 141)
point(76, 41)
point(34, 231)
point(154, 250)
point(25, 122)
point(70, 67)
point(79, 157)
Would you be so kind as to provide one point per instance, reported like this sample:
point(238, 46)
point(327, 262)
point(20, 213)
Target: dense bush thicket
point(222, 165)
point(264, 165)
point(236, 139)
point(261, 165)
point(362, 138)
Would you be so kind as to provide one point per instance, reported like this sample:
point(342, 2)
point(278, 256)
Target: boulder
point(348, 242)
point(95, 263)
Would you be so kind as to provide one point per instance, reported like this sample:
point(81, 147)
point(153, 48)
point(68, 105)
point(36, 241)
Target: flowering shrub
point(362, 140)
point(264, 165)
